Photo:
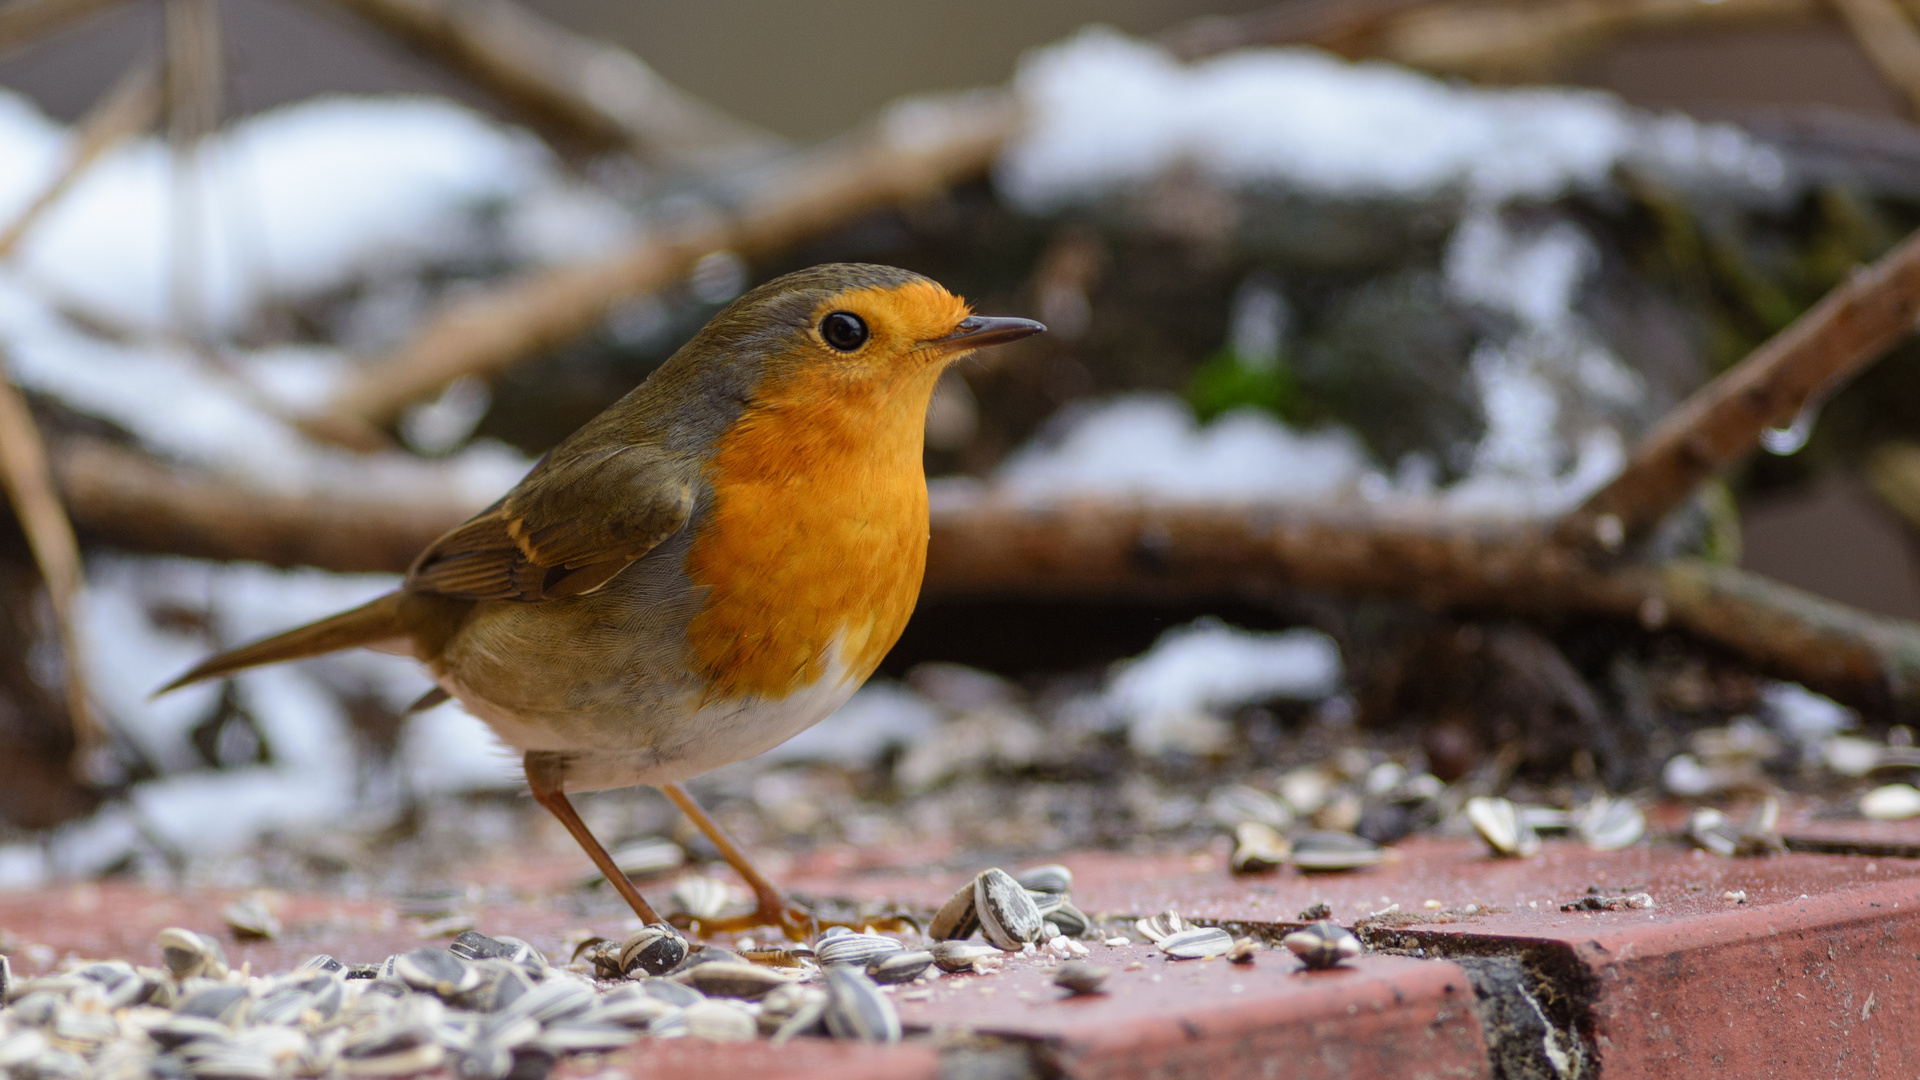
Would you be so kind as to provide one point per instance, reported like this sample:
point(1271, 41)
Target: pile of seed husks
point(484, 1008)
point(495, 1008)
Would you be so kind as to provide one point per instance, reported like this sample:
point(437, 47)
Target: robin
point(706, 569)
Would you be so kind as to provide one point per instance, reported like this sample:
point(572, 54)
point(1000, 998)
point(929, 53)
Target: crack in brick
point(1534, 999)
point(987, 1057)
point(1880, 849)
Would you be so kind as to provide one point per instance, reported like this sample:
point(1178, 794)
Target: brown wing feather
point(566, 529)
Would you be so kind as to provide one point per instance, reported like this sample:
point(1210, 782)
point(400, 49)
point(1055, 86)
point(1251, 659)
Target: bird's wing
point(565, 530)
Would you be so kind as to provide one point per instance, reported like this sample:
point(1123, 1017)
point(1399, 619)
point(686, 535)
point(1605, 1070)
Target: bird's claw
point(791, 919)
point(796, 921)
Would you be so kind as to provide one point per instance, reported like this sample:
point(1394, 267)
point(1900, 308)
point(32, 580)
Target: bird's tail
point(373, 622)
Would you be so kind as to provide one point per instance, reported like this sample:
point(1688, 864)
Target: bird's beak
point(980, 331)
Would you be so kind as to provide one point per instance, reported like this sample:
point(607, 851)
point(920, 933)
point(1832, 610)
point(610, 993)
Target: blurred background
point(288, 286)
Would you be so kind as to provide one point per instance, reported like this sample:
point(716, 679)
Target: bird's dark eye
point(844, 330)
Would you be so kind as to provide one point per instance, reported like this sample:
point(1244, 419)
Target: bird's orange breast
point(817, 534)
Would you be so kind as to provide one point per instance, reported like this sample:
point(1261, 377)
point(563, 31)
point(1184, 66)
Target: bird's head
point(854, 324)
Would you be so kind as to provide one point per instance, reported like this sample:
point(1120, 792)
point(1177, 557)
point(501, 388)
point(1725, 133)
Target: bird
point(710, 566)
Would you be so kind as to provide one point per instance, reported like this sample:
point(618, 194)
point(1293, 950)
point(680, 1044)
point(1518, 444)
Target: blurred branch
point(1894, 471)
point(1889, 39)
point(1496, 39)
point(571, 85)
point(23, 22)
point(1187, 553)
point(127, 499)
point(1342, 26)
point(1098, 549)
point(487, 332)
point(195, 67)
point(128, 108)
point(30, 490)
point(1722, 422)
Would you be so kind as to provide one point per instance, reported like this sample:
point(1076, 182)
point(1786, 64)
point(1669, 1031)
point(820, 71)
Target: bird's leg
point(545, 775)
point(774, 909)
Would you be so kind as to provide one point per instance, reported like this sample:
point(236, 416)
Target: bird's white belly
point(670, 740)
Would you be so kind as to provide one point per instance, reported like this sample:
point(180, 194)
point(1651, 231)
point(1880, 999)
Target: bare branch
point(1498, 39)
point(490, 331)
point(128, 108)
point(1103, 549)
point(568, 84)
point(126, 499)
point(29, 488)
point(1212, 553)
point(1342, 26)
point(1889, 39)
point(194, 74)
point(1722, 422)
point(24, 22)
point(1515, 42)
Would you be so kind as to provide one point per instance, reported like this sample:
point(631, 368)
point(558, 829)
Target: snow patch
point(315, 770)
point(22, 866)
point(1209, 665)
point(879, 716)
point(447, 750)
point(1803, 716)
point(1170, 697)
point(1105, 111)
point(221, 419)
point(1150, 445)
point(1533, 277)
point(294, 200)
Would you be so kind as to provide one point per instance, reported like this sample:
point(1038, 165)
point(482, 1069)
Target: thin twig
point(193, 112)
point(24, 22)
point(1490, 39)
point(1722, 422)
point(1497, 39)
point(497, 328)
point(1890, 40)
point(573, 86)
point(29, 487)
point(128, 108)
point(1342, 26)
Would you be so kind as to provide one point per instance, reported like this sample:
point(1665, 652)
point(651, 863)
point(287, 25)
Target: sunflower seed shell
point(1080, 977)
point(956, 918)
point(958, 956)
point(900, 967)
point(1197, 943)
point(857, 1010)
point(1499, 823)
point(1322, 944)
point(1323, 851)
point(732, 979)
point(1008, 916)
point(1609, 824)
point(654, 949)
point(719, 1021)
point(859, 950)
point(1051, 878)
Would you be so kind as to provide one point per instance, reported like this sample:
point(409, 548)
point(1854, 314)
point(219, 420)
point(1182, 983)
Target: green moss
point(1224, 381)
